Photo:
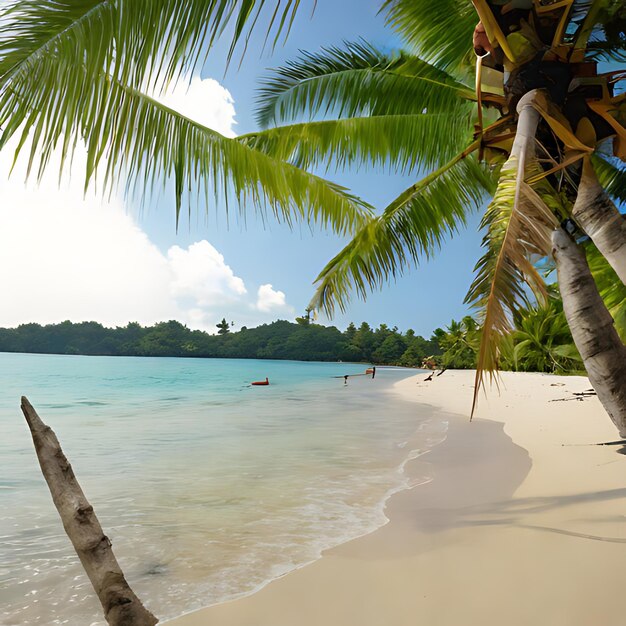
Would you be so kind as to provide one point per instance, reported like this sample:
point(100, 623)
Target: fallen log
point(121, 606)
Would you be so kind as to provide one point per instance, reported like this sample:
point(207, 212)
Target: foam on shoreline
point(491, 539)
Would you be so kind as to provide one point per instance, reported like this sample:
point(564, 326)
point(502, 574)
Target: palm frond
point(74, 71)
point(440, 32)
point(611, 174)
point(594, 21)
point(413, 225)
point(517, 227)
point(605, 51)
point(611, 288)
point(134, 41)
point(401, 142)
point(608, 37)
point(144, 141)
point(541, 341)
point(357, 79)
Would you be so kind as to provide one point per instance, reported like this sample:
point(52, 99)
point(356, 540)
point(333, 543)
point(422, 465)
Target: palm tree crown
point(430, 107)
point(531, 124)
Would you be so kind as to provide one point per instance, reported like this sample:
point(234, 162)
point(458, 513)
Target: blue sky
point(429, 296)
point(214, 270)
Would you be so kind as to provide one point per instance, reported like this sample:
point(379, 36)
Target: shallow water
point(208, 487)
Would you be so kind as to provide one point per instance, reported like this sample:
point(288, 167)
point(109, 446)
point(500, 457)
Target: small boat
point(261, 382)
point(369, 370)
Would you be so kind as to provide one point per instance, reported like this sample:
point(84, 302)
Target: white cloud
point(78, 260)
point(203, 100)
point(66, 256)
point(270, 300)
point(63, 259)
point(201, 273)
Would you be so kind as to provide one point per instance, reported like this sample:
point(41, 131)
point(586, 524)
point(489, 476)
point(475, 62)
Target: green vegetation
point(530, 125)
point(530, 143)
point(540, 341)
point(223, 327)
point(278, 340)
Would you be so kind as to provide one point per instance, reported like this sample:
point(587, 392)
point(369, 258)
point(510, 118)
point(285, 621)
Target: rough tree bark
point(600, 347)
point(598, 216)
point(121, 606)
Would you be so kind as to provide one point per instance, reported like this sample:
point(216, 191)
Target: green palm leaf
point(440, 32)
point(611, 288)
point(611, 175)
point(356, 80)
point(542, 340)
point(145, 141)
point(401, 142)
point(414, 225)
point(132, 40)
point(69, 76)
point(517, 227)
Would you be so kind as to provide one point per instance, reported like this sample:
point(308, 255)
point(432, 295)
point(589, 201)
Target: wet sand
point(522, 524)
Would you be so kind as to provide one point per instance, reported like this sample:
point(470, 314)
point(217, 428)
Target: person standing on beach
point(373, 371)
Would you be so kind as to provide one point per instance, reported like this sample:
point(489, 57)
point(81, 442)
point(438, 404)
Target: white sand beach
point(524, 523)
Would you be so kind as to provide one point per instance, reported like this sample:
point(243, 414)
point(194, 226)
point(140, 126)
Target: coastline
point(492, 539)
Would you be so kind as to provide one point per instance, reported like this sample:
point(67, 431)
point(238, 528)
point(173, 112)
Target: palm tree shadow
point(514, 511)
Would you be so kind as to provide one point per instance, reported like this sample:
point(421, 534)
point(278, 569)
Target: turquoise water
point(208, 487)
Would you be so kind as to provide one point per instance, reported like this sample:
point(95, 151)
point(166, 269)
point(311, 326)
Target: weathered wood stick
point(121, 606)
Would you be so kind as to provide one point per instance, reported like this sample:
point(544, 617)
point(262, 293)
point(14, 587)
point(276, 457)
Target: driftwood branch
point(578, 395)
point(121, 606)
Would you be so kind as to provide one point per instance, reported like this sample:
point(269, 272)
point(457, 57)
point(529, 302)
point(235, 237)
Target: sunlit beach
point(313, 312)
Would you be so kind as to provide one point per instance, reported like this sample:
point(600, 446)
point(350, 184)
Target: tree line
point(304, 341)
point(541, 341)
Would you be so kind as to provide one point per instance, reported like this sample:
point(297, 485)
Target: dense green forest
point(541, 341)
point(303, 341)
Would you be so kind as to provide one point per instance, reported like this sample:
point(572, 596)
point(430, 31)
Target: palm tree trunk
point(599, 218)
point(600, 347)
point(121, 606)
point(528, 120)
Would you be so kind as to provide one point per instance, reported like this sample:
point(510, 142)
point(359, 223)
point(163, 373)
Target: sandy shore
point(523, 524)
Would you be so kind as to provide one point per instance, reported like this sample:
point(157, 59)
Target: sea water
point(208, 487)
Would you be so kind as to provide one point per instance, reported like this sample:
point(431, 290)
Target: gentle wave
point(207, 488)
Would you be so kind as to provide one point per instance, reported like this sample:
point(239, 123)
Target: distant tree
point(391, 349)
point(278, 340)
point(129, 337)
point(305, 320)
point(349, 349)
point(165, 339)
point(460, 344)
point(223, 327)
point(364, 341)
point(350, 332)
point(419, 348)
point(316, 343)
point(412, 356)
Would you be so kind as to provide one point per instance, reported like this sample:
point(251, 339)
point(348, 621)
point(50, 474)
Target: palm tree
point(541, 341)
point(87, 72)
point(537, 131)
point(533, 126)
point(459, 343)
